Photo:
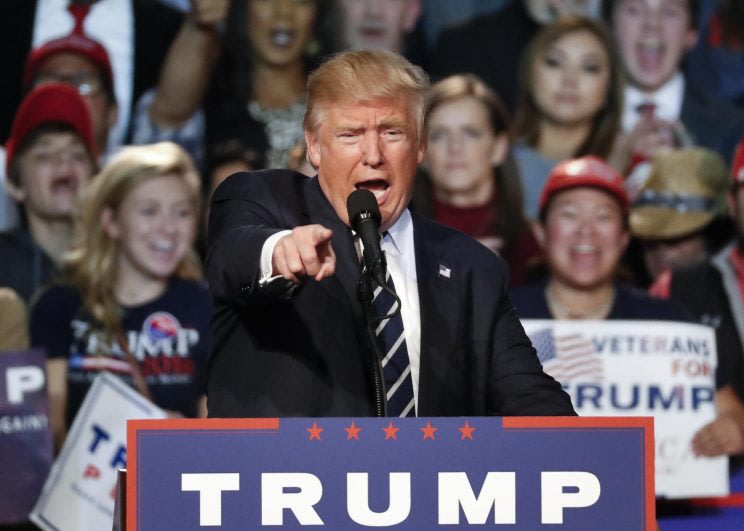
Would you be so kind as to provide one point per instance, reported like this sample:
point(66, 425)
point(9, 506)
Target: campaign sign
point(25, 435)
point(645, 368)
point(79, 492)
point(407, 474)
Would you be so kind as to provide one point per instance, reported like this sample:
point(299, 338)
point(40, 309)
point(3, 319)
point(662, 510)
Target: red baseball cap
point(585, 171)
point(77, 43)
point(55, 102)
point(737, 168)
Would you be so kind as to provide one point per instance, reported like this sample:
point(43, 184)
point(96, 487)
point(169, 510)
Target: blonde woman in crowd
point(569, 101)
point(134, 303)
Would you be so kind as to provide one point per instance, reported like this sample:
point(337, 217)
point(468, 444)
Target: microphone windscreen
point(362, 200)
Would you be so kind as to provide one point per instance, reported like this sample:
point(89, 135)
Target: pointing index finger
point(321, 234)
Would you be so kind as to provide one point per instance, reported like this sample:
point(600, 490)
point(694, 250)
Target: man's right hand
point(306, 252)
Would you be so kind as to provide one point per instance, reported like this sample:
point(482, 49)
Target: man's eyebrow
point(392, 122)
point(347, 127)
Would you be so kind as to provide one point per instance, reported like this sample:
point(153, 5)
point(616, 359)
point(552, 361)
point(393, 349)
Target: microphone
point(364, 216)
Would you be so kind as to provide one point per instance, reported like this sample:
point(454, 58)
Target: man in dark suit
point(661, 106)
point(288, 330)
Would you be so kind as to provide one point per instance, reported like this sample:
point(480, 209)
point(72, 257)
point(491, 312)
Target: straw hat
point(685, 190)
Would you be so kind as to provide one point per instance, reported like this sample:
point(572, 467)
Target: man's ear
point(691, 37)
point(16, 193)
point(421, 152)
point(313, 148)
point(109, 224)
point(411, 15)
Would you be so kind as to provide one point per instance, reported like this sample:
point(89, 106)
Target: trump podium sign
point(406, 474)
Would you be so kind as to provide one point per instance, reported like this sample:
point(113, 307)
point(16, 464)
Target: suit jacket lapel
point(439, 311)
point(319, 210)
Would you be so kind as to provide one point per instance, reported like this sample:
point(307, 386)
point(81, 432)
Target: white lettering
point(274, 499)
point(22, 380)
point(357, 500)
point(210, 488)
point(554, 499)
point(499, 491)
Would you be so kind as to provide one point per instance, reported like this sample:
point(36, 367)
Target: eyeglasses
point(85, 83)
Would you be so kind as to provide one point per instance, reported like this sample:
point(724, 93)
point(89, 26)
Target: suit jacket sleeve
point(517, 384)
point(244, 213)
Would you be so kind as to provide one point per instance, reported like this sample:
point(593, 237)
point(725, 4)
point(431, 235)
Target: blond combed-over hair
point(366, 75)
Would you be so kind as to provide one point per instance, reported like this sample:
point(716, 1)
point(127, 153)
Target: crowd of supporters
point(590, 143)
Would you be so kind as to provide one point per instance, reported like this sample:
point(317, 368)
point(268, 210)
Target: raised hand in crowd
point(648, 136)
point(725, 434)
point(209, 13)
point(188, 66)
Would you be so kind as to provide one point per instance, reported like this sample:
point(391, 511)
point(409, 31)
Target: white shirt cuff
point(267, 253)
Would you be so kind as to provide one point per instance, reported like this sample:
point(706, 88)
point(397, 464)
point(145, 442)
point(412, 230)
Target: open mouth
point(650, 54)
point(164, 246)
point(372, 32)
point(65, 184)
point(164, 250)
point(282, 37)
point(379, 187)
point(584, 255)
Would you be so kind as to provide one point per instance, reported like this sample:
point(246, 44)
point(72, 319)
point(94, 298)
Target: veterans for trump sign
point(407, 474)
point(628, 368)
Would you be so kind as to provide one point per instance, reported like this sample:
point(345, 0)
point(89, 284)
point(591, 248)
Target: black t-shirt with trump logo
point(167, 338)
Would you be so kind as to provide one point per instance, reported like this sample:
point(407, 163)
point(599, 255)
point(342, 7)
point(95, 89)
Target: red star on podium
point(314, 432)
point(391, 432)
point(353, 432)
point(467, 431)
point(428, 431)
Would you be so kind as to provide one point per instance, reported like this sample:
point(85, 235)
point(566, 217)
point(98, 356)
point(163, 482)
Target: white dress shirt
point(110, 22)
point(401, 263)
point(668, 101)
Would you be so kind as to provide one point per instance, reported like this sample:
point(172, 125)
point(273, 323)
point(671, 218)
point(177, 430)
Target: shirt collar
point(399, 232)
point(668, 101)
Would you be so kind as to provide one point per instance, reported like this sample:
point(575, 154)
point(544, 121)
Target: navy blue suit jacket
point(305, 355)
point(716, 125)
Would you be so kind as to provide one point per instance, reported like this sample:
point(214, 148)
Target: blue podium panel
point(406, 474)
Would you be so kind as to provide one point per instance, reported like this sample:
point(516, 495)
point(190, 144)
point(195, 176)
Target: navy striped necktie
point(396, 366)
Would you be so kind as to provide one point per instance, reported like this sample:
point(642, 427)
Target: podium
point(407, 474)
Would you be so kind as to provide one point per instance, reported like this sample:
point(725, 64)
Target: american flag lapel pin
point(444, 271)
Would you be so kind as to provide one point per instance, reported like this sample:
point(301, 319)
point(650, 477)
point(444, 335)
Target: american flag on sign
point(567, 357)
